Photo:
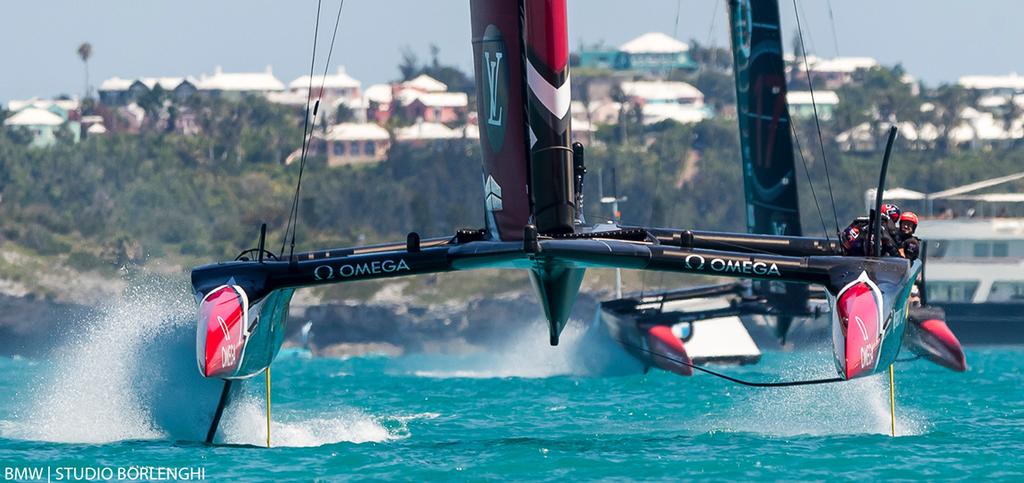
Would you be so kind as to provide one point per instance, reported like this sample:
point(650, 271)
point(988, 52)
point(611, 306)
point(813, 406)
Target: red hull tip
point(952, 353)
point(661, 340)
point(860, 315)
point(221, 334)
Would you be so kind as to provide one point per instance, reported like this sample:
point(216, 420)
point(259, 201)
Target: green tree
point(84, 53)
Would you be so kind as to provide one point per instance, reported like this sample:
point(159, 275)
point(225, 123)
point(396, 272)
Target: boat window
point(369, 148)
point(1000, 249)
point(339, 149)
point(952, 291)
point(982, 249)
point(1007, 291)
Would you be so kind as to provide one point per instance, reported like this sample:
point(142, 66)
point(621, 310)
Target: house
point(802, 104)
point(994, 85)
point(41, 124)
point(654, 53)
point(424, 83)
point(424, 133)
point(66, 108)
point(334, 89)
point(832, 73)
point(446, 107)
point(423, 98)
point(664, 100)
point(356, 143)
point(869, 137)
point(237, 84)
point(339, 85)
point(377, 99)
point(116, 91)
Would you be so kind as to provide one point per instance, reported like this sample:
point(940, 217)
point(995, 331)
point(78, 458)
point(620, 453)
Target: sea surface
point(125, 393)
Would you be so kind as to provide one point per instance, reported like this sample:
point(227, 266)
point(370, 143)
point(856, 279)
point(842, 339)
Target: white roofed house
point(656, 52)
point(802, 105)
point(41, 124)
point(868, 137)
point(663, 100)
point(378, 99)
point(116, 91)
point(356, 143)
point(994, 85)
point(337, 88)
point(425, 133)
point(443, 107)
point(424, 83)
point(833, 73)
point(237, 84)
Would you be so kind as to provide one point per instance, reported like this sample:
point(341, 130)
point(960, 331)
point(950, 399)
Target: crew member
point(890, 230)
point(853, 242)
point(910, 245)
point(857, 239)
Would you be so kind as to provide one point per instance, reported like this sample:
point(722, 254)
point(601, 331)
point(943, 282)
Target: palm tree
point(84, 52)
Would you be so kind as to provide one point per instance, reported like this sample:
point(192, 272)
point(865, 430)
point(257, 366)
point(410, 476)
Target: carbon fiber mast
point(766, 144)
point(521, 53)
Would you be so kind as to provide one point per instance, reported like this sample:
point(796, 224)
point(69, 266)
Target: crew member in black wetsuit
point(856, 239)
point(890, 232)
point(910, 245)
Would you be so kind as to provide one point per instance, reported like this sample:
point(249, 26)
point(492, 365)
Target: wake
point(584, 350)
point(130, 374)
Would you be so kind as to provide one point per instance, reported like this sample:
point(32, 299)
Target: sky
point(936, 40)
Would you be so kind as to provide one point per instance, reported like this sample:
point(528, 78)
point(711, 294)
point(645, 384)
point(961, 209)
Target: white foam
point(245, 423)
point(582, 351)
point(130, 374)
point(96, 390)
point(860, 406)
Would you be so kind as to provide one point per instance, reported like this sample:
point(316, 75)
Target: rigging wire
point(305, 129)
point(293, 217)
point(832, 20)
point(679, 6)
point(730, 378)
point(817, 122)
point(800, 151)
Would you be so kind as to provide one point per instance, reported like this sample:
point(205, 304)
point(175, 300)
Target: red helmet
point(892, 211)
point(909, 216)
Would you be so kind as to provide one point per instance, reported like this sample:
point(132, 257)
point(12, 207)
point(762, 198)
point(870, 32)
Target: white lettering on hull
point(376, 267)
point(747, 267)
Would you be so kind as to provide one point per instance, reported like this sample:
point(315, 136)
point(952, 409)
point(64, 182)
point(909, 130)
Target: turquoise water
point(127, 394)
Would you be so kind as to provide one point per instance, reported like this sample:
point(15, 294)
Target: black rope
point(733, 379)
point(817, 122)
point(305, 130)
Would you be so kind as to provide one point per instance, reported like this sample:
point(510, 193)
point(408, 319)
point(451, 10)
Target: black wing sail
point(766, 144)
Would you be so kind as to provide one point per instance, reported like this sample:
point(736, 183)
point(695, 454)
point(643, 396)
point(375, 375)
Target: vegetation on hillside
point(129, 199)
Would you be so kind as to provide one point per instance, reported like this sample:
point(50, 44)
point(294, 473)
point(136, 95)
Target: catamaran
point(532, 179)
point(639, 321)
